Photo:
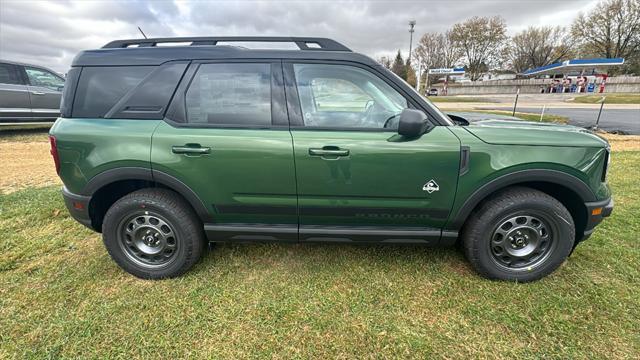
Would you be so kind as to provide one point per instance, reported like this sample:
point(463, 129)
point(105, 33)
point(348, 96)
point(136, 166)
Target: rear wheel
point(153, 234)
point(520, 234)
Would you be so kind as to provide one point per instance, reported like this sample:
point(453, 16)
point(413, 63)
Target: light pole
point(412, 24)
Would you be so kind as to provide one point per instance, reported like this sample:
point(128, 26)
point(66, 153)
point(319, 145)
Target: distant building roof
point(574, 65)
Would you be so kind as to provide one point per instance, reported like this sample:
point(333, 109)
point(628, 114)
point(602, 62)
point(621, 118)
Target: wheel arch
point(109, 186)
point(572, 192)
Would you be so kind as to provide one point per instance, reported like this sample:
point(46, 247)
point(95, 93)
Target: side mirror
point(413, 123)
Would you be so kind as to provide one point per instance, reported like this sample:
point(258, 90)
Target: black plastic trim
point(465, 155)
point(138, 173)
point(80, 215)
point(594, 220)
point(545, 175)
point(324, 44)
point(369, 234)
point(251, 232)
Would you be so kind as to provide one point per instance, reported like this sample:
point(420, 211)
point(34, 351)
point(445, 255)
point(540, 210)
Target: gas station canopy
point(582, 66)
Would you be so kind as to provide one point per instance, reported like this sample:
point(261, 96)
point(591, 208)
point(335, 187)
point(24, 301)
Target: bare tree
point(436, 50)
point(481, 40)
point(384, 61)
point(611, 29)
point(538, 46)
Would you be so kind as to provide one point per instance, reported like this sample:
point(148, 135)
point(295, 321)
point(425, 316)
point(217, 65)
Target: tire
point(520, 234)
point(153, 234)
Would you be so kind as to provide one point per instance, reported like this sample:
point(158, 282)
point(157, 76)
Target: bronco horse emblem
point(431, 186)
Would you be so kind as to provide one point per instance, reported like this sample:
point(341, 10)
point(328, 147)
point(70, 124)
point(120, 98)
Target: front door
point(228, 140)
point(356, 177)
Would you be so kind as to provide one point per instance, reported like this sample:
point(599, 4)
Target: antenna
point(142, 32)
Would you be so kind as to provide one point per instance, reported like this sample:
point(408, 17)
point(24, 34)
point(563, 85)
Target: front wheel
point(153, 234)
point(521, 234)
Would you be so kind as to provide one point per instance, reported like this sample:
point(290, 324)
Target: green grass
point(611, 99)
point(457, 99)
point(61, 296)
point(529, 116)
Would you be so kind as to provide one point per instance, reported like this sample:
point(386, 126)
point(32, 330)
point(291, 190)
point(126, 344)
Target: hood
point(517, 132)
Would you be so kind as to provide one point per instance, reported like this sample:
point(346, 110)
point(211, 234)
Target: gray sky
point(50, 33)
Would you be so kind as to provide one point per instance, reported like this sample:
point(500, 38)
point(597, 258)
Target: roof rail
point(303, 43)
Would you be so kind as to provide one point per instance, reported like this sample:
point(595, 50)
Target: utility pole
point(412, 24)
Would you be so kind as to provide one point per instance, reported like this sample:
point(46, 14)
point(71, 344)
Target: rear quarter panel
point(88, 147)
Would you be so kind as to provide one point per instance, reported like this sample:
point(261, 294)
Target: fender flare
point(138, 173)
point(538, 175)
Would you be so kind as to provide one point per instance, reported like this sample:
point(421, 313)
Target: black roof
point(146, 51)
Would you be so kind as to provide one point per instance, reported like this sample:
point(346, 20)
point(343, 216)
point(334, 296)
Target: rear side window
point(230, 94)
point(99, 88)
point(9, 74)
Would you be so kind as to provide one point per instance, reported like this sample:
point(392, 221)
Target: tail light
point(54, 152)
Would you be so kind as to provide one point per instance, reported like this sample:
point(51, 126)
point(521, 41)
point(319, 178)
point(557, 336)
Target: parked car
point(28, 93)
point(166, 148)
point(432, 92)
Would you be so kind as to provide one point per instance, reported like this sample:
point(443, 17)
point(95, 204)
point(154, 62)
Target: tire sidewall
point(556, 217)
point(127, 207)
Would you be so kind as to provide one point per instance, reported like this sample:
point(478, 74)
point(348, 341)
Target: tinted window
point(230, 94)
point(9, 74)
point(99, 88)
point(342, 96)
point(44, 78)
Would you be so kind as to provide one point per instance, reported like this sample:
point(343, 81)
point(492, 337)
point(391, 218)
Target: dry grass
point(26, 162)
point(623, 142)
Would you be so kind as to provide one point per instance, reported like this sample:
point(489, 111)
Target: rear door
point(226, 137)
point(45, 90)
point(356, 176)
point(15, 105)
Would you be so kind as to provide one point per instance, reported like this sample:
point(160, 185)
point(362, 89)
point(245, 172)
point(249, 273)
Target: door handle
point(328, 151)
point(191, 150)
point(37, 93)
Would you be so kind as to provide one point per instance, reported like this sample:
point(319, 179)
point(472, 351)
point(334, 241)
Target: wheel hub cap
point(148, 240)
point(521, 242)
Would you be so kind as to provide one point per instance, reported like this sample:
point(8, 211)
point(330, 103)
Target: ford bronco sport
point(166, 148)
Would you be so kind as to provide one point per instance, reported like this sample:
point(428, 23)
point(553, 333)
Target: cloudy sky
point(50, 33)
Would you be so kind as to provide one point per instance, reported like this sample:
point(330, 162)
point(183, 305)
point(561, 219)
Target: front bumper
point(596, 212)
point(78, 206)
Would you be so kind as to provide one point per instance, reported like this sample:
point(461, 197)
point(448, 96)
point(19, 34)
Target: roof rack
point(303, 43)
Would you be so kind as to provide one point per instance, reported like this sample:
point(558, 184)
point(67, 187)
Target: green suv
point(164, 149)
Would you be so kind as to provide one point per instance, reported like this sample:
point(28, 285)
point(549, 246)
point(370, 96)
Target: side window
point(343, 96)
point(230, 94)
point(40, 77)
point(99, 88)
point(9, 74)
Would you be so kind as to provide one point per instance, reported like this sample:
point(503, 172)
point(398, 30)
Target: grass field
point(61, 295)
point(611, 99)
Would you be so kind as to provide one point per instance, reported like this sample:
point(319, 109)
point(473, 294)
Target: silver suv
point(28, 93)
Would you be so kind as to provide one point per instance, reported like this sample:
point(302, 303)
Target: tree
point(481, 40)
point(385, 61)
point(437, 50)
point(538, 46)
point(399, 67)
point(610, 30)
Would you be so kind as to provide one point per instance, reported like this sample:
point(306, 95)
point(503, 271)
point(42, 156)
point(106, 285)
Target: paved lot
point(627, 120)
